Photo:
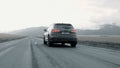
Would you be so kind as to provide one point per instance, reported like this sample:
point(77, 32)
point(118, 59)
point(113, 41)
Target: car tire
point(49, 43)
point(44, 41)
point(73, 44)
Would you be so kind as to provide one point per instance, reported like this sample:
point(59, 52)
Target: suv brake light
point(73, 31)
point(55, 30)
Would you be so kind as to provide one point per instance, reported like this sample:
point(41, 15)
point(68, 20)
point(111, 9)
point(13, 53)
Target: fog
point(106, 29)
point(83, 14)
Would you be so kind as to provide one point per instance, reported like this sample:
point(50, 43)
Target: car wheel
point(73, 44)
point(44, 41)
point(49, 43)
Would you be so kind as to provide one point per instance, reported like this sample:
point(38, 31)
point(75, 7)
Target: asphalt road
point(32, 53)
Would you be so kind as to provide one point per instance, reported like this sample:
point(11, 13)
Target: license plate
point(65, 33)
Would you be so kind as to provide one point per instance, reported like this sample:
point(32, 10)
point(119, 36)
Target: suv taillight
point(55, 30)
point(73, 31)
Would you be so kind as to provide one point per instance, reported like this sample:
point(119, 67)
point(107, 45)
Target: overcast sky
point(83, 14)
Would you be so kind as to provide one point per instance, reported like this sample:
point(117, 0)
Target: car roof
point(62, 23)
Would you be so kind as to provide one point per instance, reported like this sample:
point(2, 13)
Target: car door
point(48, 32)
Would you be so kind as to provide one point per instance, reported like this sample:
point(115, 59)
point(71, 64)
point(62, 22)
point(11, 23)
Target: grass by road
point(108, 41)
point(9, 37)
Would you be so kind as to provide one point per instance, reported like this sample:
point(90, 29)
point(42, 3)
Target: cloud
point(109, 3)
point(84, 14)
point(107, 11)
point(114, 18)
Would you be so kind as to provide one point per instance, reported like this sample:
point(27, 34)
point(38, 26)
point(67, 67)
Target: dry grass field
point(108, 41)
point(98, 38)
point(8, 37)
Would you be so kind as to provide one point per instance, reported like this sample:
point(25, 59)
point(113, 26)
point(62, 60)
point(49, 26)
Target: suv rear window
point(63, 26)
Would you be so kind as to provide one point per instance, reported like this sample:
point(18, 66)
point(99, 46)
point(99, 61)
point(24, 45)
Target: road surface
point(32, 53)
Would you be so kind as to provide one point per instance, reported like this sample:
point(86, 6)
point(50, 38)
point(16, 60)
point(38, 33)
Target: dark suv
point(60, 33)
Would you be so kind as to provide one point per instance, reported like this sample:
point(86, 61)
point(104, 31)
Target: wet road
point(32, 53)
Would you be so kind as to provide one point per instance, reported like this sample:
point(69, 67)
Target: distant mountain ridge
point(107, 29)
point(33, 31)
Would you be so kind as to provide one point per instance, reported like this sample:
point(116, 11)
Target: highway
point(32, 53)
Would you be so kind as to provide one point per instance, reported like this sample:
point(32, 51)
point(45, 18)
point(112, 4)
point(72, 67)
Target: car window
point(63, 26)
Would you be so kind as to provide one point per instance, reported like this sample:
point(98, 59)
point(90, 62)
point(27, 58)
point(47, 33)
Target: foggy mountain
point(33, 31)
point(106, 29)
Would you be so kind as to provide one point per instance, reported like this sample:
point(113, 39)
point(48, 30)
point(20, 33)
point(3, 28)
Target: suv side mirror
point(45, 30)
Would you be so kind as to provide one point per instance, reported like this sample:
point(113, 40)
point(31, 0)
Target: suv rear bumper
point(63, 40)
